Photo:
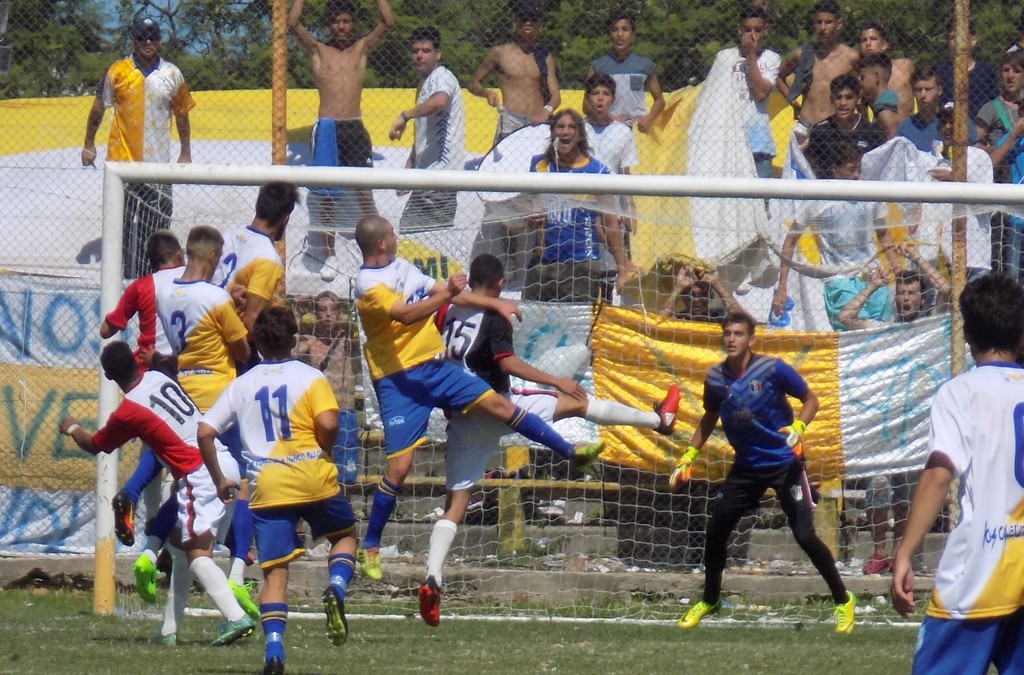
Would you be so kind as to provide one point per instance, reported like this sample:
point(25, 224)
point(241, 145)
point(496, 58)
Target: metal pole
point(961, 64)
point(279, 82)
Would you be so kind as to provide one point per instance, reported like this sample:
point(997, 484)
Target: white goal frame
point(117, 174)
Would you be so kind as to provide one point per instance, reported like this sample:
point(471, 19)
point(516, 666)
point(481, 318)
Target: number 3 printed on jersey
point(179, 324)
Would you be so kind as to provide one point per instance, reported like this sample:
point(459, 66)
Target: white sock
point(611, 413)
point(441, 538)
point(237, 571)
point(216, 585)
point(177, 593)
point(152, 546)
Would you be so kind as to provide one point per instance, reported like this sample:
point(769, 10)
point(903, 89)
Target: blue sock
point(146, 470)
point(533, 427)
point(274, 617)
point(240, 539)
point(166, 518)
point(384, 500)
point(340, 568)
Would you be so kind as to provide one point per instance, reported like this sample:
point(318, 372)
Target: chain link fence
point(665, 88)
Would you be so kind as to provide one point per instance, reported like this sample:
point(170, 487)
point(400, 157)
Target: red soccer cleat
point(667, 411)
point(430, 602)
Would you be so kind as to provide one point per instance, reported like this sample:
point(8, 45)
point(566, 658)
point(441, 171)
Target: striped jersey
point(143, 105)
point(161, 415)
point(249, 259)
point(200, 320)
point(391, 346)
point(140, 298)
point(977, 420)
point(275, 405)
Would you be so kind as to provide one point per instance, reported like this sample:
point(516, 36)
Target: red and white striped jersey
point(161, 415)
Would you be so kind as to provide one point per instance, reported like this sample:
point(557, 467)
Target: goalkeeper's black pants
point(742, 492)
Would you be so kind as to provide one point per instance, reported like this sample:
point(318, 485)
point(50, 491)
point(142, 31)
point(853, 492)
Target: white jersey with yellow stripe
point(200, 321)
point(249, 259)
point(977, 421)
point(275, 405)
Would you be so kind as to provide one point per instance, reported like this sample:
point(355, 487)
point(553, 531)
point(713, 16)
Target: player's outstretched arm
point(927, 504)
point(506, 308)
point(71, 427)
point(409, 313)
point(513, 365)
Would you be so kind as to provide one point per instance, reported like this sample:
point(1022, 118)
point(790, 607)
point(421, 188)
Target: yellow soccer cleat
point(586, 455)
point(243, 596)
point(145, 578)
point(696, 613)
point(844, 614)
point(369, 562)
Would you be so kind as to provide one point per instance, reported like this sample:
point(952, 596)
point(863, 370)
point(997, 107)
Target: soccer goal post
point(661, 257)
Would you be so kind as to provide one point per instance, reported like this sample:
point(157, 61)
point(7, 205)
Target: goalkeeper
point(749, 393)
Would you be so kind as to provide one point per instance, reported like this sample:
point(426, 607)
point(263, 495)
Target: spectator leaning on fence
point(145, 91)
point(440, 137)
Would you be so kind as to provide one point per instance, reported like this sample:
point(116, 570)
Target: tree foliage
point(60, 47)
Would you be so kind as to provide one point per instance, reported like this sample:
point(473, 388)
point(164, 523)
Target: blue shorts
point(407, 397)
point(276, 540)
point(968, 646)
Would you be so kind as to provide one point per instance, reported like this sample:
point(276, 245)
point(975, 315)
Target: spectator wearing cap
point(526, 75)
point(144, 91)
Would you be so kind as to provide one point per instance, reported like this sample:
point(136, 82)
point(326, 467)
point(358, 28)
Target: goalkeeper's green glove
point(682, 472)
point(794, 432)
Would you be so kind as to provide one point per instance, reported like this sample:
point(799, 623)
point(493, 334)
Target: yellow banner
point(33, 453)
point(637, 355)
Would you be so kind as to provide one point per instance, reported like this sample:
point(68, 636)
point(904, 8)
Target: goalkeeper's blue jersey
point(753, 406)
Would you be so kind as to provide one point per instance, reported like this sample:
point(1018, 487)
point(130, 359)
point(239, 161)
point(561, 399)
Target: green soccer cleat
point(845, 615)
point(232, 631)
point(169, 640)
point(145, 578)
point(242, 594)
point(586, 455)
point(369, 562)
point(696, 613)
point(337, 624)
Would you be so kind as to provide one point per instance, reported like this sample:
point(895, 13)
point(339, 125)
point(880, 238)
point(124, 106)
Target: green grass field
point(56, 632)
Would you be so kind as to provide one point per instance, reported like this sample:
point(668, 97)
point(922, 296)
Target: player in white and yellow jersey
point(976, 613)
point(396, 303)
point(162, 416)
point(200, 322)
point(288, 418)
point(208, 339)
point(250, 259)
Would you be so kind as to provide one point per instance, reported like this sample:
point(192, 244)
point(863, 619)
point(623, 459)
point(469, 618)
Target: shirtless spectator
point(874, 40)
point(526, 75)
point(814, 66)
point(339, 137)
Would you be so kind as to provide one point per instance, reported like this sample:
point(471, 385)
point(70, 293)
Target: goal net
point(543, 539)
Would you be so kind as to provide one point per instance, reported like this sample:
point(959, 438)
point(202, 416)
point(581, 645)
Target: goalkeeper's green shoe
point(587, 454)
point(145, 578)
point(696, 613)
point(369, 562)
point(844, 614)
point(169, 640)
point(242, 595)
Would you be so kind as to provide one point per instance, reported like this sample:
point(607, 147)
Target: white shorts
point(200, 510)
point(473, 438)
